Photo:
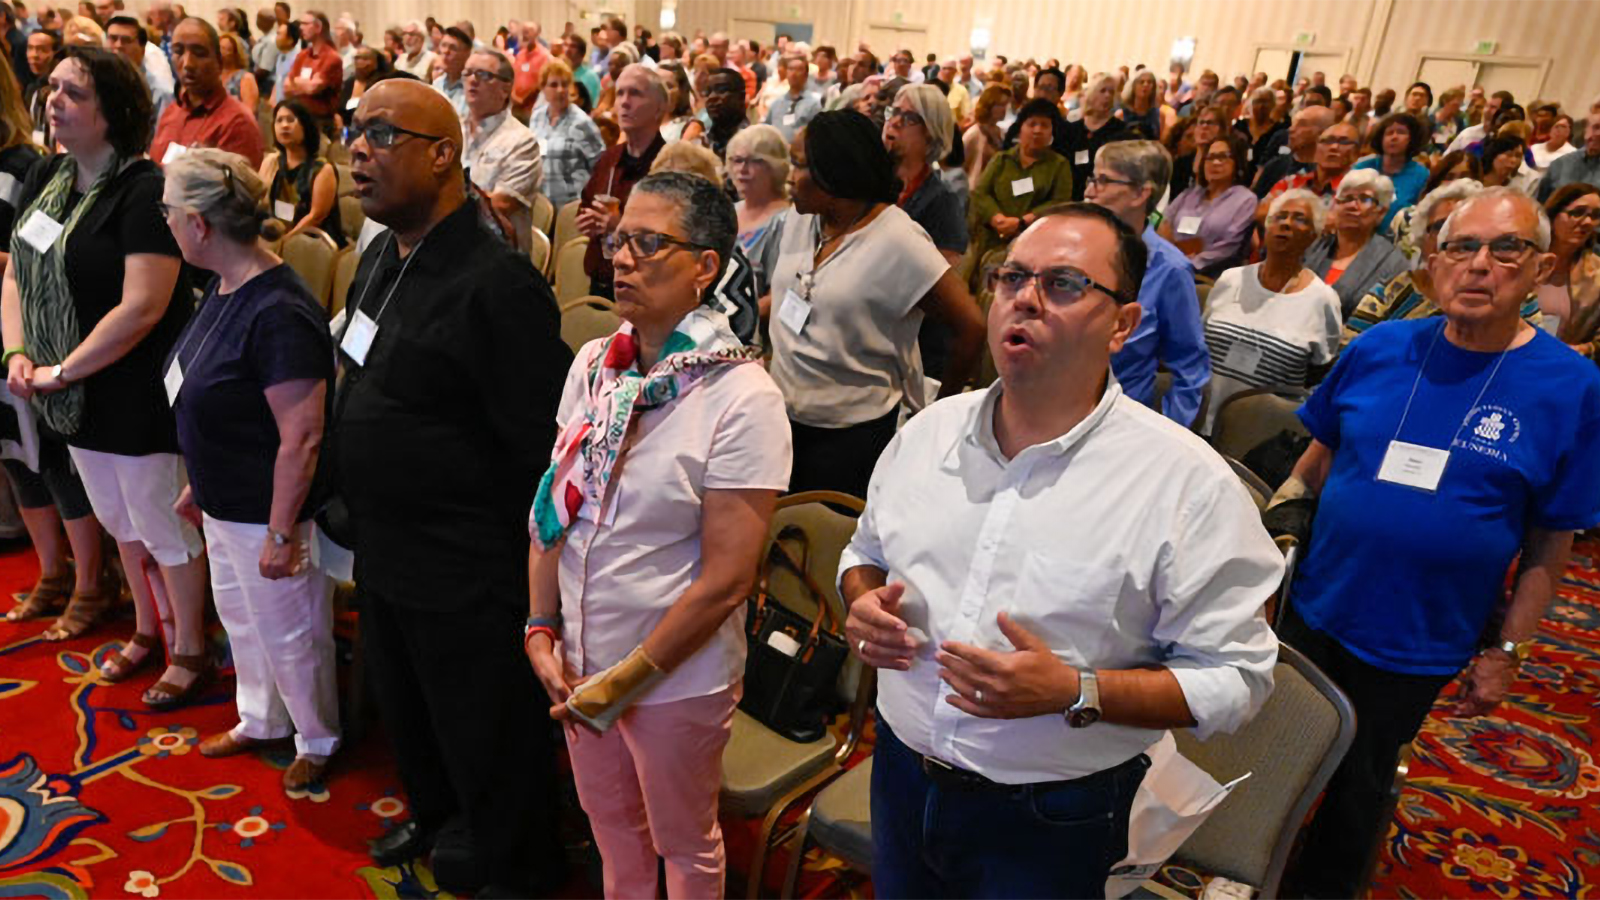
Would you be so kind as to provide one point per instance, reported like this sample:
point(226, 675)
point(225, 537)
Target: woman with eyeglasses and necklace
point(1570, 297)
point(92, 302)
point(1274, 323)
point(1018, 181)
point(304, 187)
point(249, 378)
point(1355, 258)
point(648, 528)
point(855, 278)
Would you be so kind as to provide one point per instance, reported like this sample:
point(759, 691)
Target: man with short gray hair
point(641, 100)
point(1441, 455)
point(501, 155)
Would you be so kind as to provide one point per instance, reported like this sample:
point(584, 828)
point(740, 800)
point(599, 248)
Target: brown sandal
point(83, 612)
point(47, 596)
point(118, 667)
point(164, 695)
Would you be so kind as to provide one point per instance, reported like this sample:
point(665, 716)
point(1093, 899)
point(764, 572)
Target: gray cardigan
point(1379, 261)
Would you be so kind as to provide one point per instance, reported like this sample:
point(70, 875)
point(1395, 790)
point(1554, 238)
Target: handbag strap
point(824, 609)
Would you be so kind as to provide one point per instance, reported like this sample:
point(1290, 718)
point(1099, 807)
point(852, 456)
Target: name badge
point(174, 150)
point(1413, 466)
point(283, 210)
point(1022, 186)
point(794, 312)
point(305, 72)
point(173, 381)
point(1243, 358)
point(1250, 154)
point(358, 337)
point(9, 188)
point(789, 120)
point(352, 103)
point(527, 67)
point(1081, 158)
point(41, 231)
point(1284, 150)
point(38, 137)
point(1189, 225)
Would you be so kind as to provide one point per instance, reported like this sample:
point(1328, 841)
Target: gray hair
point(1541, 232)
point(1379, 183)
point(226, 191)
point(657, 86)
point(1143, 163)
point(503, 66)
point(766, 143)
point(1319, 213)
point(1261, 92)
point(927, 102)
point(705, 213)
point(1460, 189)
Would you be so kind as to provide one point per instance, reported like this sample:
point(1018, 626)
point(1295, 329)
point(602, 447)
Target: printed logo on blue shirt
point(1493, 427)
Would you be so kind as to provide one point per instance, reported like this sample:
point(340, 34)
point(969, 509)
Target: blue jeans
point(1058, 840)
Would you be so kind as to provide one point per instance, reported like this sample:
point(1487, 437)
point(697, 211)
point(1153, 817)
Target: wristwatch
point(1518, 650)
point(55, 372)
point(1086, 711)
point(279, 539)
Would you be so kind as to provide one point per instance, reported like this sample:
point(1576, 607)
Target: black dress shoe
point(403, 843)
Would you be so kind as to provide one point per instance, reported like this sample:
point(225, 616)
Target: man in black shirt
point(452, 366)
point(1298, 151)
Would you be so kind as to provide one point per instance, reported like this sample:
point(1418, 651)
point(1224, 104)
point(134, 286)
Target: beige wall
point(1382, 37)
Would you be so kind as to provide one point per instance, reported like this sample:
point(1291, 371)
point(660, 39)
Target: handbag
point(793, 663)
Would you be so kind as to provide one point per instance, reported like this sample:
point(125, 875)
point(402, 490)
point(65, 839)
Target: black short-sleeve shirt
point(125, 405)
point(267, 332)
point(15, 165)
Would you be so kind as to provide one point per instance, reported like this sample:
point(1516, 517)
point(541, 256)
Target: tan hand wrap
point(601, 700)
point(1293, 489)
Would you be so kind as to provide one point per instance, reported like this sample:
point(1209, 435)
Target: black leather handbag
point(793, 663)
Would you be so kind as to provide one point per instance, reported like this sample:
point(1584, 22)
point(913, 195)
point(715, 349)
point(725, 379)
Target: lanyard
point(177, 356)
point(1481, 391)
point(392, 288)
point(818, 245)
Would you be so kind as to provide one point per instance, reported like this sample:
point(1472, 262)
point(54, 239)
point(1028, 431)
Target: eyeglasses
point(1219, 157)
point(483, 75)
point(1061, 286)
point(741, 161)
point(1365, 201)
point(1293, 218)
point(1100, 181)
point(643, 244)
point(1337, 142)
point(907, 116)
point(1507, 249)
point(381, 135)
point(1592, 215)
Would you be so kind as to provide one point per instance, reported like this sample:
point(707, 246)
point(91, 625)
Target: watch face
point(1083, 718)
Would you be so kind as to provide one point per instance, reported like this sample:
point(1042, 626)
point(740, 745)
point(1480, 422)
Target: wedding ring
point(978, 692)
point(861, 647)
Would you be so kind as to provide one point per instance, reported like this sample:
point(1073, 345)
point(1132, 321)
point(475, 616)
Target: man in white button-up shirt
point(1037, 558)
point(501, 155)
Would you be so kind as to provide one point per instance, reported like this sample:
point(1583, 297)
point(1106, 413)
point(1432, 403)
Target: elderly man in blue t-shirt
point(1440, 453)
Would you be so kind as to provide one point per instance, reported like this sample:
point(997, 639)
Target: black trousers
point(470, 728)
point(839, 459)
point(1390, 709)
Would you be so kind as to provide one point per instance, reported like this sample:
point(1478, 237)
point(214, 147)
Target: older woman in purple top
point(1211, 221)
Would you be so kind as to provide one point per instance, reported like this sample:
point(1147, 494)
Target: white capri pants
point(133, 496)
point(281, 633)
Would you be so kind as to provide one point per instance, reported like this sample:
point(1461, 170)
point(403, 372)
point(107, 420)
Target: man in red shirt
point(531, 57)
point(318, 73)
point(203, 115)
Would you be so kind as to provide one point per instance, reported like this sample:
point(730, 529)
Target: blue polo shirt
point(1406, 579)
point(267, 332)
point(1169, 332)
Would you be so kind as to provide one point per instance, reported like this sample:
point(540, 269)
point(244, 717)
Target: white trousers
point(132, 497)
point(281, 633)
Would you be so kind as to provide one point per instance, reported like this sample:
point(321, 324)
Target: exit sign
point(1484, 48)
point(1305, 38)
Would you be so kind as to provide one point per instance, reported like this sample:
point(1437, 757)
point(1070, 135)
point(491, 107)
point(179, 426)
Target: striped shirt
point(1265, 339)
point(1400, 299)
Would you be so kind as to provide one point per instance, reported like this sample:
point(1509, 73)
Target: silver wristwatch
point(1086, 711)
point(279, 539)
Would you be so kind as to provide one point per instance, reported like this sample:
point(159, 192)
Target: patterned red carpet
point(99, 797)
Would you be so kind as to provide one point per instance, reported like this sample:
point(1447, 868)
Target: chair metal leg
point(764, 841)
point(791, 876)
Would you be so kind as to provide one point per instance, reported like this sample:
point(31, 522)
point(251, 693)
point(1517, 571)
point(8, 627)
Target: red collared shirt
point(224, 124)
point(324, 62)
point(530, 64)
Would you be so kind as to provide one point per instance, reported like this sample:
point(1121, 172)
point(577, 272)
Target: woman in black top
point(1098, 127)
point(94, 298)
point(256, 362)
point(50, 494)
point(304, 188)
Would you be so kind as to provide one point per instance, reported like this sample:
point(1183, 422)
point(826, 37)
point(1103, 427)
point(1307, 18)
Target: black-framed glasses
point(909, 117)
point(643, 244)
point(483, 75)
point(1365, 201)
point(1507, 249)
point(1100, 181)
point(1219, 157)
point(1061, 285)
point(1592, 215)
point(380, 134)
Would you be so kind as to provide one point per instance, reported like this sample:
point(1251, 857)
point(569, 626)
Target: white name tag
point(790, 119)
point(1243, 358)
point(9, 188)
point(358, 337)
point(283, 210)
point(1284, 150)
point(305, 72)
point(352, 103)
point(1081, 158)
point(1022, 186)
point(40, 230)
point(794, 312)
point(1250, 154)
point(1413, 466)
point(173, 381)
point(527, 67)
point(174, 150)
point(1189, 225)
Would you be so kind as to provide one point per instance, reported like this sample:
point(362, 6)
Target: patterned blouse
point(1400, 299)
point(571, 146)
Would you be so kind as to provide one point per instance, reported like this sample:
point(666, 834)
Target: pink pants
point(650, 786)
